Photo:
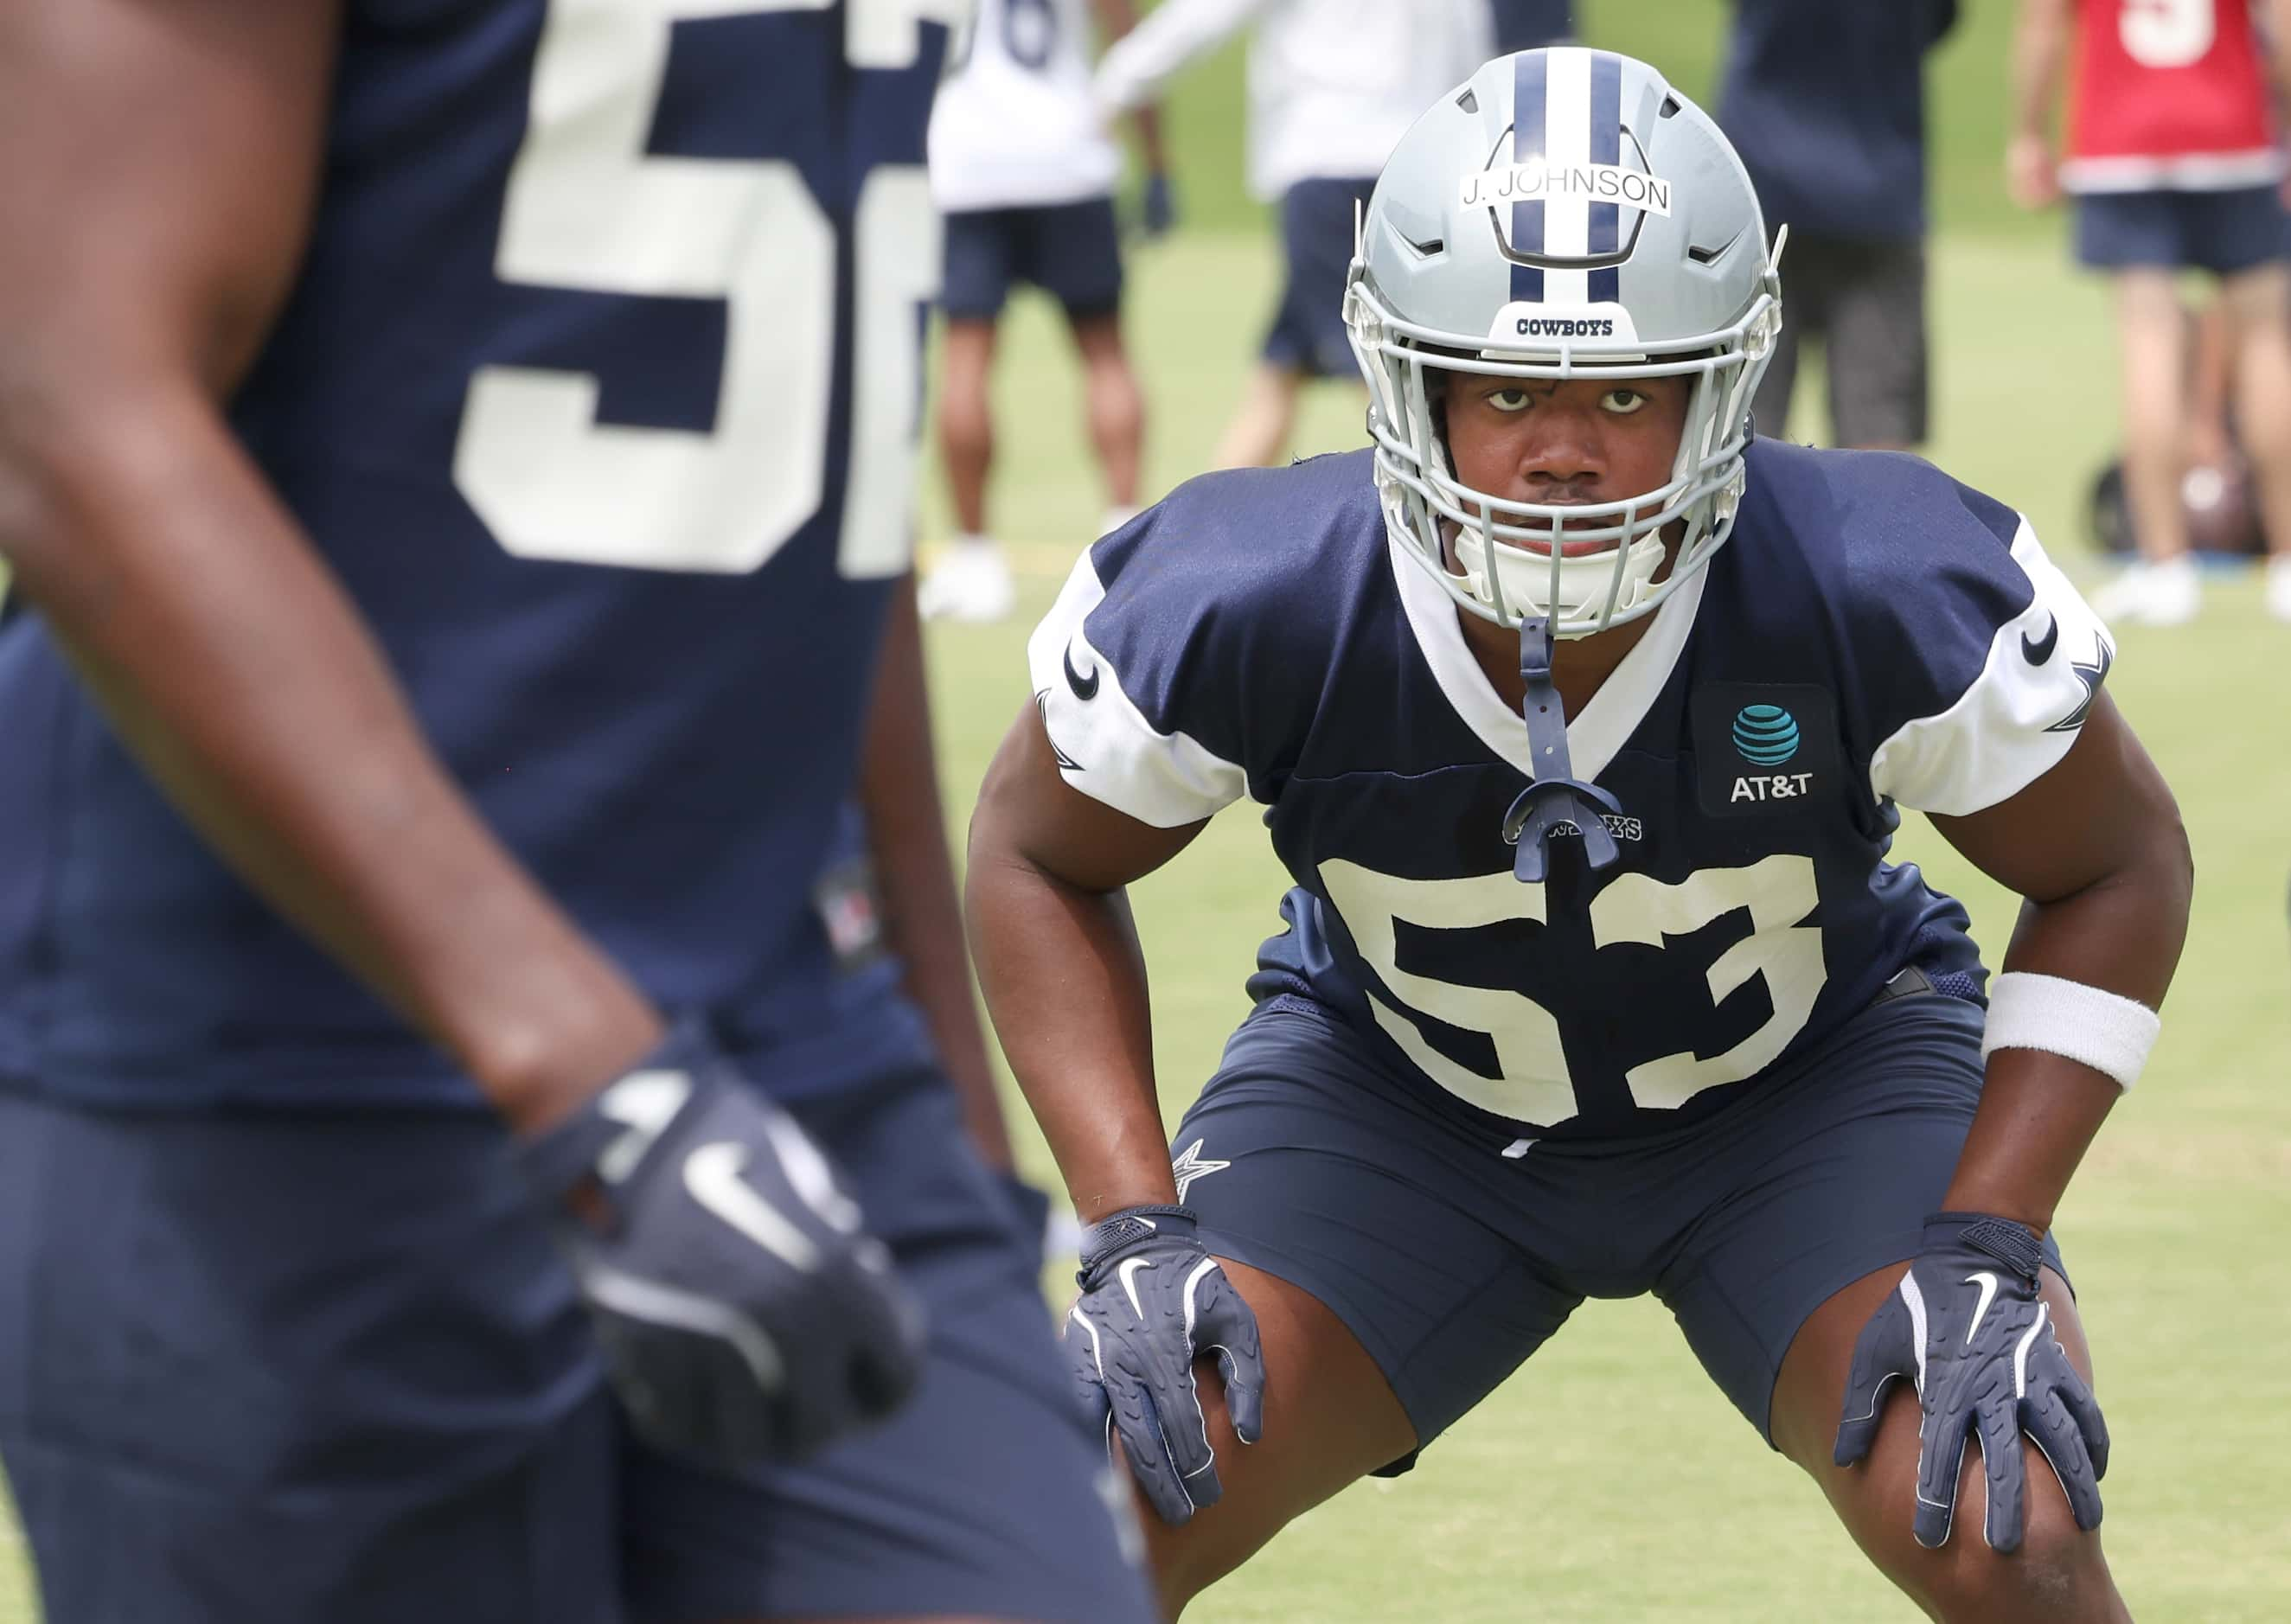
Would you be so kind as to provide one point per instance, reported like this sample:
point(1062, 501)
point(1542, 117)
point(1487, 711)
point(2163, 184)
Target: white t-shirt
point(1333, 85)
point(1015, 126)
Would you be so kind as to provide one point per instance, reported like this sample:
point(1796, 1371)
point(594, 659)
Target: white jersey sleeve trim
point(1106, 747)
point(2021, 714)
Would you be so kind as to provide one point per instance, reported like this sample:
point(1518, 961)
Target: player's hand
point(744, 1312)
point(1157, 205)
point(2031, 175)
point(1967, 1326)
point(1152, 1299)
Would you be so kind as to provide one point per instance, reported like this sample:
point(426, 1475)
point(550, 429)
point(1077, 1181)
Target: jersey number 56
point(587, 209)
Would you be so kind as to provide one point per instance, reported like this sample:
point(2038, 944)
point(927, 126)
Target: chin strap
point(1553, 800)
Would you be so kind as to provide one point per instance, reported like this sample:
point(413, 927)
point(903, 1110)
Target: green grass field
point(1608, 1480)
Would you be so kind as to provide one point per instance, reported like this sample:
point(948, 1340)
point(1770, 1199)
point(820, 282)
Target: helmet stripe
point(1606, 148)
point(1567, 149)
point(1526, 145)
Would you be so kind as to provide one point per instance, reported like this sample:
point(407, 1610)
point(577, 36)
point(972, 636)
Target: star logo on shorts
point(1190, 1164)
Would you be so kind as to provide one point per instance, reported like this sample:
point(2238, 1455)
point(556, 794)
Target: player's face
point(1563, 444)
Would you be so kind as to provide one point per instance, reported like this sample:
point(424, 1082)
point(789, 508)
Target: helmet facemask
point(1540, 566)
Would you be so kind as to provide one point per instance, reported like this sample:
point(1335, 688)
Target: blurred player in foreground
point(456, 457)
point(1826, 105)
point(1331, 86)
point(1026, 172)
point(1580, 723)
point(2172, 159)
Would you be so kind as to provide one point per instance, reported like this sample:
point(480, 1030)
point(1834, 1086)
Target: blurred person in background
point(1524, 25)
point(1332, 86)
point(456, 457)
point(1826, 103)
point(2172, 159)
point(2215, 493)
point(1025, 169)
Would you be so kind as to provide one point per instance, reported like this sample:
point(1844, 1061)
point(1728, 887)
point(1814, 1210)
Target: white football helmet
point(1562, 213)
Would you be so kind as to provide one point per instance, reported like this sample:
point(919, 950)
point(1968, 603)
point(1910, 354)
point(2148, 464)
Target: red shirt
point(2170, 95)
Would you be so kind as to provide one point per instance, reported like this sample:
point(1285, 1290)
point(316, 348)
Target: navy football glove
point(1157, 207)
point(1152, 1299)
point(1968, 1328)
point(744, 1313)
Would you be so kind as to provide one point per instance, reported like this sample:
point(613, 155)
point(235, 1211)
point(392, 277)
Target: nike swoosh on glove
point(1152, 1300)
point(744, 1313)
point(1967, 1326)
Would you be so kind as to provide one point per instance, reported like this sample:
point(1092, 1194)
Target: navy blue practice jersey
point(1874, 634)
point(598, 391)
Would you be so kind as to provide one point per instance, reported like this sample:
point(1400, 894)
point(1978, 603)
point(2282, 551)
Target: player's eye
point(1621, 402)
point(1509, 400)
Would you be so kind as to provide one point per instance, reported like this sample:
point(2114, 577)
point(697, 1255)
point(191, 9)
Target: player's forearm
point(2040, 47)
point(232, 665)
point(2039, 1112)
point(1064, 981)
point(906, 837)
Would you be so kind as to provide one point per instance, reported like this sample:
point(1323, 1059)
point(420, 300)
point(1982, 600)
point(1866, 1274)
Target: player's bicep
point(158, 163)
point(1028, 813)
point(2103, 811)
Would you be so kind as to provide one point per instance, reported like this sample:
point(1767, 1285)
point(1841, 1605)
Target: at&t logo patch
point(1763, 747)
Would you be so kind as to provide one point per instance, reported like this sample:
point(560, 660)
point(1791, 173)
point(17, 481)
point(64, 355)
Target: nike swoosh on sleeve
point(2038, 650)
point(1084, 689)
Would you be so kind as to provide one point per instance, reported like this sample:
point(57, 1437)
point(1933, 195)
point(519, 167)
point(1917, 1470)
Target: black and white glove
point(744, 1312)
point(1967, 1326)
point(1152, 1299)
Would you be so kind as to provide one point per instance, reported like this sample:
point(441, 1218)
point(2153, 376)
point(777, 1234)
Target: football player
point(1025, 169)
point(2173, 158)
point(456, 456)
point(1580, 723)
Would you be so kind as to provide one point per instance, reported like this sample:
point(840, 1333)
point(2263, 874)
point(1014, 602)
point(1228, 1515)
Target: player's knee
point(964, 424)
point(1186, 1559)
point(2057, 1573)
point(1114, 400)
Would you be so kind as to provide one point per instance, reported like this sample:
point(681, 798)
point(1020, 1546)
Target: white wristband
point(2104, 1031)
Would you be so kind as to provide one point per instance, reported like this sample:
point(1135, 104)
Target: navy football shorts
point(1071, 251)
point(1316, 239)
point(2222, 232)
point(1452, 1261)
point(281, 1368)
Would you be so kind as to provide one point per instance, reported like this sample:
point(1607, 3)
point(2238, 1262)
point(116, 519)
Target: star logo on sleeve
point(2092, 676)
point(1190, 1164)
